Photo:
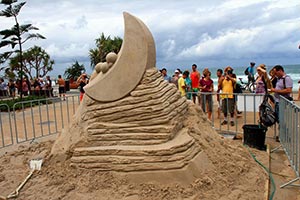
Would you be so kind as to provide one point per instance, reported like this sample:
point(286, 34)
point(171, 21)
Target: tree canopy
point(36, 63)
point(104, 45)
point(17, 35)
point(74, 70)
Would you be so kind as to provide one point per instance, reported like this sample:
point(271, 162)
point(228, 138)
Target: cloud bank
point(209, 33)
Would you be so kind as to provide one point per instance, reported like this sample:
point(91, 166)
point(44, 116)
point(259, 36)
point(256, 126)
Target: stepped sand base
point(222, 169)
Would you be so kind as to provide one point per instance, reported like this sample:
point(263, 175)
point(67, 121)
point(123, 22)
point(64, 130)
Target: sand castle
point(130, 118)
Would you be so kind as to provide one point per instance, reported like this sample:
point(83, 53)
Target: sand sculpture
point(134, 137)
point(130, 118)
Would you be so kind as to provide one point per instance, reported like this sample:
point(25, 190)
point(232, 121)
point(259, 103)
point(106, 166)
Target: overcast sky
point(207, 32)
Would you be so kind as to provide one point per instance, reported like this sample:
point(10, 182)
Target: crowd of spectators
point(199, 86)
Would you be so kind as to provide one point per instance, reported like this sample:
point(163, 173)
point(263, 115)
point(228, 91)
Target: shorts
point(61, 90)
point(228, 105)
point(207, 98)
point(195, 91)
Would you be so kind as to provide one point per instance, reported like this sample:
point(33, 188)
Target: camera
point(229, 72)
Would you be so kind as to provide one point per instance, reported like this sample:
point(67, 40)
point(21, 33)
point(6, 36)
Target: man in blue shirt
point(165, 75)
point(251, 72)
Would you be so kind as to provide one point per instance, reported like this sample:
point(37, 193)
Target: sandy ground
point(230, 173)
point(233, 174)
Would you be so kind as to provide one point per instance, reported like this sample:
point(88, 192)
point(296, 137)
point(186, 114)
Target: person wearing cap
point(262, 82)
point(165, 75)
point(195, 78)
point(175, 77)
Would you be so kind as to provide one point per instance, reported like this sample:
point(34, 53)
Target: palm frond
point(8, 33)
point(7, 12)
point(4, 43)
point(8, 2)
point(4, 56)
point(16, 9)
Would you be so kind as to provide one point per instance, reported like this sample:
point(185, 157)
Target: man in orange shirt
point(61, 87)
point(195, 77)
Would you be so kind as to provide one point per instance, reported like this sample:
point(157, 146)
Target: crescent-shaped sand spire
point(136, 55)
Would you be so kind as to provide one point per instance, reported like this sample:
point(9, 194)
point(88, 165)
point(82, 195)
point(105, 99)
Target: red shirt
point(208, 84)
point(195, 77)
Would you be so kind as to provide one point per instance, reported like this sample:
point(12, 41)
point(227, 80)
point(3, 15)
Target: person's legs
point(209, 106)
point(224, 110)
point(277, 111)
point(231, 107)
point(194, 94)
point(203, 103)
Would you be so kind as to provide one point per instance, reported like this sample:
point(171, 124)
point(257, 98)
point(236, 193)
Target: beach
point(14, 167)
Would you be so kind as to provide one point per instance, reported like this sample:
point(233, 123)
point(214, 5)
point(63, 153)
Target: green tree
point(74, 70)
point(104, 45)
point(36, 62)
point(17, 35)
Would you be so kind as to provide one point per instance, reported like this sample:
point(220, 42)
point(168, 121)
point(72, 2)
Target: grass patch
point(28, 102)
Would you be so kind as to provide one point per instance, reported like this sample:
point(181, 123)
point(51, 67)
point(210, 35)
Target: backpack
point(237, 88)
point(267, 115)
point(247, 71)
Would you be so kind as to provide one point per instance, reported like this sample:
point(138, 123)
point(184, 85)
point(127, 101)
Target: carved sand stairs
point(142, 131)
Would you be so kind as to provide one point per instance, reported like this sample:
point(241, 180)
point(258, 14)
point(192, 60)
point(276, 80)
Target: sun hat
point(176, 71)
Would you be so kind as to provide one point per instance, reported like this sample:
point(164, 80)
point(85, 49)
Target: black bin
point(255, 136)
point(67, 85)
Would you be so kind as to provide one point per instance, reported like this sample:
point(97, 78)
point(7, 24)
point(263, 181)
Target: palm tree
point(17, 35)
point(104, 45)
point(74, 70)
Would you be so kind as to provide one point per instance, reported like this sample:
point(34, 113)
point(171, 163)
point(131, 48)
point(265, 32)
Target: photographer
point(226, 84)
point(82, 81)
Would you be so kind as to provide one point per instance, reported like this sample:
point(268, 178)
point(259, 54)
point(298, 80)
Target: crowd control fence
point(289, 129)
point(29, 120)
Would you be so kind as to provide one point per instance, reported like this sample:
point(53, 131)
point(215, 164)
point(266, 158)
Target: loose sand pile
point(229, 172)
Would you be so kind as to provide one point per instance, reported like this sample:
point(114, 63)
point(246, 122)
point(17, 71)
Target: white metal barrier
point(289, 134)
point(29, 120)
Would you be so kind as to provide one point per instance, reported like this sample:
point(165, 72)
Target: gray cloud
point(211, 32)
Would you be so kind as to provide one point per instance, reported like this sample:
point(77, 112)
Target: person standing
point(195, 78)
point(207, 87)
point(298, 99)
point(12, 88)
point(181, 84)
point(25, 87)
point(273, 78)
point(48, 85)
point(82, 81)
point(165, 75)
point(251, 72)
point(262, 82)
point(226, 84)
point(283, 87)
point(61, 87)
point(219, 75)
point(188, 84)
point(175, 78)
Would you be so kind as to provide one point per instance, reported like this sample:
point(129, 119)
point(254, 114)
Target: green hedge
point(36, 100)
